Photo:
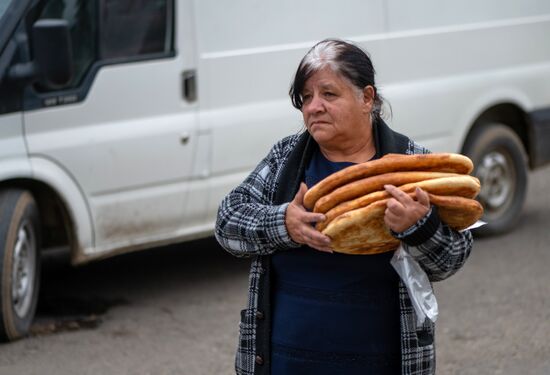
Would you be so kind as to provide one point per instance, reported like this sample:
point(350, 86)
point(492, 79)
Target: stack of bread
point(354, 199)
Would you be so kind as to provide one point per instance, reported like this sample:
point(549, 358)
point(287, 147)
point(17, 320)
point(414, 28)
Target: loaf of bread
point(371, 184)
point(460, 185)
point(363, 231)
point(441, 162)
point(354, 200)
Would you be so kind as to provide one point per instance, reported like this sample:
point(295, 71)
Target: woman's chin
point(321, 136)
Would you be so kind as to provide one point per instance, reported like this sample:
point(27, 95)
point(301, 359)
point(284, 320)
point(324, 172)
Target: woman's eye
point(330, 94)
point(306, 97)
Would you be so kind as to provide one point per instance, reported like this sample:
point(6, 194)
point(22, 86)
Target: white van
point(124, 122)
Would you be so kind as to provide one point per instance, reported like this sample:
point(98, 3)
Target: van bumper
point(539, 134)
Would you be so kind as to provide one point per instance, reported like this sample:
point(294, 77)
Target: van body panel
point(419, 92)
point(420, 14)
point(130, 145)
point(473, 94)
point(13, 168)
point(12, 141)
point(249, 24)
point(53, 175)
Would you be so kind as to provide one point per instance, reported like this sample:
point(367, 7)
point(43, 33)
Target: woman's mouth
point(317, 123)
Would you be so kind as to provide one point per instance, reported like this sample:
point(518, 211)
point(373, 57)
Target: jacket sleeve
point(440, 250)
point(248, 223)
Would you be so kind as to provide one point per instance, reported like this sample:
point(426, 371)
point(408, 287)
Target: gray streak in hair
point(343, 58)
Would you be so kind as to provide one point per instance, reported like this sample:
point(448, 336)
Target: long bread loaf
point(363, 231)
point(460, 185)
point(368, 185)
point(440, 162)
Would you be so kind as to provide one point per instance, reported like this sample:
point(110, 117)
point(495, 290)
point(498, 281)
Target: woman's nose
point(315, 105)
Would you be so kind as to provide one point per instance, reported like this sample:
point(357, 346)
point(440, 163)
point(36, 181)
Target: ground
point(175, 310)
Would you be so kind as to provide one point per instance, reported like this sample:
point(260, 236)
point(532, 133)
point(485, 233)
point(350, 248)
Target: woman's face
point(334, 113)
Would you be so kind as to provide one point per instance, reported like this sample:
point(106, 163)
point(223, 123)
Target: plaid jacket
point(251, 223)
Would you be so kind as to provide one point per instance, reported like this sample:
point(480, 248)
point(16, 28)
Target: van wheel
point(19, 262)
point(500, 163)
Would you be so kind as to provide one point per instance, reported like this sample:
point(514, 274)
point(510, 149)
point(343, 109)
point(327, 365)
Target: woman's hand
point(298, 223)
point(402, 211)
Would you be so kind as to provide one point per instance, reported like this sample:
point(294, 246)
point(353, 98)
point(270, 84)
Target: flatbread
point(370, 184)
point(363, 231)
point(459, 185)
point(438, 162)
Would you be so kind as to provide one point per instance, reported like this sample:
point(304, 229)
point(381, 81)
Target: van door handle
point(184, 138)
point(189, 85)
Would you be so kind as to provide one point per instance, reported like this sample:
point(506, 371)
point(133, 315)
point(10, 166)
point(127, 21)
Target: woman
point(312, 311)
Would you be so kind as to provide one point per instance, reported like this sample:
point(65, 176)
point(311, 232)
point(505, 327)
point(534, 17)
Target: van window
point(82, 18)
point(113, 31)
point(134, 27)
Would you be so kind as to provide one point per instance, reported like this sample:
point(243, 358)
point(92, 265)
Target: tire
point(19, 262)
point(500, 163)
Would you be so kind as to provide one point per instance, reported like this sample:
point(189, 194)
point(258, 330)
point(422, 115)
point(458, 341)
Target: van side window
point(112, 31)
point(81, 16)
point(130, 28)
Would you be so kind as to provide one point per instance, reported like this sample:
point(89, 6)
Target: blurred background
point(123, 123)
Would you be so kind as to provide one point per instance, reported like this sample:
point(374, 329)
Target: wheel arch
point(57, 224)
point(511, 112)
point(63, 210)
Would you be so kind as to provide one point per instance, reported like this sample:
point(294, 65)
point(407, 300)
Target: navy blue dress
point(334, 313)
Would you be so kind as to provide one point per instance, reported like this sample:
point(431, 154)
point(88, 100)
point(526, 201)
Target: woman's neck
point(357, 151)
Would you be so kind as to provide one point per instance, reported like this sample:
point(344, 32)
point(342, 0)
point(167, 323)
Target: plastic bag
point(417, 283)
point(475, 225)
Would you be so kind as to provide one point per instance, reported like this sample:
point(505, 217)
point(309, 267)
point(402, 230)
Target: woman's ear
point(368, 98)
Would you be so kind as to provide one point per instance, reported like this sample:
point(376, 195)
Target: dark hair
point(345, 59)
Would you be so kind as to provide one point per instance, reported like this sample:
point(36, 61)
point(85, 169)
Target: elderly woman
point(310, 310)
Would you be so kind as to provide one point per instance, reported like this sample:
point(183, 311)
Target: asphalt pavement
point(175, 310)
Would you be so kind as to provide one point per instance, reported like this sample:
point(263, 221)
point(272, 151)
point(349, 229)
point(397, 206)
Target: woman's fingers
point(402, 211)
point(312, 218)
point(312, 237)
point(422, 197)
point(395, 206)
point(391, 216)
point(398, 195)
point(299, 197)
point(299, 223)
point(323, 249)
point(320, 245)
